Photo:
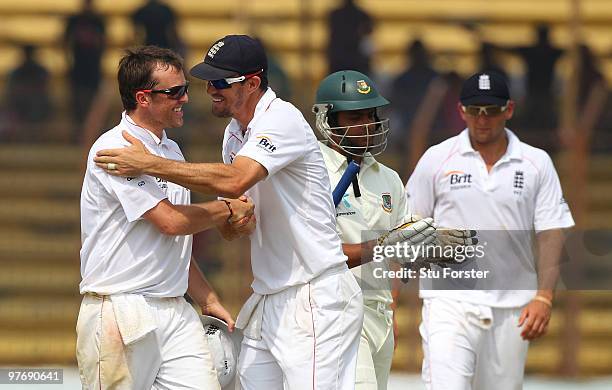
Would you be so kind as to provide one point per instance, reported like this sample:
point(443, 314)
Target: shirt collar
point(146, 136)
point(513, 150)
point(262, 106)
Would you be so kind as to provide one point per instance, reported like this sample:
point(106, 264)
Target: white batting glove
point(412, 230)
point(456, 237)
point(450, 240)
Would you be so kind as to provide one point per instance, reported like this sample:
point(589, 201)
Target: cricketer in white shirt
point(308, 301)
point(134, 278)
point(519, 196)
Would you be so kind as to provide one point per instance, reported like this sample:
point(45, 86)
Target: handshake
point(241, 221)
point(428, 242)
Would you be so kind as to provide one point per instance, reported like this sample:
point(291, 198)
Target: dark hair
point(136, 70)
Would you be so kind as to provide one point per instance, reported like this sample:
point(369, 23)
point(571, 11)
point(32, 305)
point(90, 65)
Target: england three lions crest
point(387, 205)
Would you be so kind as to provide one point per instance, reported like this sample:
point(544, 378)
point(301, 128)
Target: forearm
point(191, 219)
point(198, 287)
point(213, 178)
point(358, 254)
point(550, 244)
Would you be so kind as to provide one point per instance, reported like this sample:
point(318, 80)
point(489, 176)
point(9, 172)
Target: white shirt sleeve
point(137, 195)
point(551, 209)
point(420, 190)
point(275, 147)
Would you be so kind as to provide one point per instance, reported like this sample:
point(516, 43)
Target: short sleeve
point(137, 195)
point(551, 209)
point(275, 147)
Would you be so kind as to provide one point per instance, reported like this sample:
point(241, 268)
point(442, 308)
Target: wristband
point(544, 300)
point(229, 207)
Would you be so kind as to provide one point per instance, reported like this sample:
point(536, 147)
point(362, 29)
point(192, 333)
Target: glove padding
point(413, 230)
point(450, 240)
point(455, 237)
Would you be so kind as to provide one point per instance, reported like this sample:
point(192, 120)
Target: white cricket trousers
point(471, 347)
point(173, 356)
point(304, 337)
point(375, 347)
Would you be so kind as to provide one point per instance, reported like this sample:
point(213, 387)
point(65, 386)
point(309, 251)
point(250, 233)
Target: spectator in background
point(350, 46)
point(277, 77)
point(155, 23)
point(408, 91)
point(85, 40)
point(488, 62)
point(592, 104)
point(590, 75)
point(27, 98)
point(540, 60)
point(449, 121)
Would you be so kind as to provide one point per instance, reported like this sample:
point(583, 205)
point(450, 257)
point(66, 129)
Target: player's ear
point(142, 98)
point(254, 83)
point(510, 110)
point(461, 113)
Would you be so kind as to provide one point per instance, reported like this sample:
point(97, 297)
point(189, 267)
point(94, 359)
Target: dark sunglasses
point(175, 92)
point(227, 83)
point(484, 110)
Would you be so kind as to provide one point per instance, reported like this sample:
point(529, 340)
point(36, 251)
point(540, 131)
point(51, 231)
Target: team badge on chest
point(387, 205)
point(518, 182)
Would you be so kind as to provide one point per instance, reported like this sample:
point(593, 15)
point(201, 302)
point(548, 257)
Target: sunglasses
point(227, 83)
point(484, 110)
point(175, 92)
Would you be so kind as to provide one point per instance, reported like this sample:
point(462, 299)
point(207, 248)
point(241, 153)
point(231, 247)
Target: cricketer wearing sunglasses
point(486, 179)
point(302, 323)
point(135, 330)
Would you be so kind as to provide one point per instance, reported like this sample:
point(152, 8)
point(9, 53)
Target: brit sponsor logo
point(459, 179)
point(266, 144)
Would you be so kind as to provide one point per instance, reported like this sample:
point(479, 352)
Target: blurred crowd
point(423, 98)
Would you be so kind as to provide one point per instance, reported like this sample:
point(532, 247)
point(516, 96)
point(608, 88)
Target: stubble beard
point(226, 112)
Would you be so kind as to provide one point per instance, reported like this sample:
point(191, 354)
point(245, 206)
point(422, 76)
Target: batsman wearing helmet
point(371, 211)
point(346, 115)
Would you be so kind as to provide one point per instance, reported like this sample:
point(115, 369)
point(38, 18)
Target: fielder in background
point(485, 178)
point(302, 323)
point(135, 330)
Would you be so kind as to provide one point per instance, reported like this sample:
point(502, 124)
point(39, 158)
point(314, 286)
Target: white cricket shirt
point(295, 239)
point(121, 252)
point(380, 207)
point(519, 196)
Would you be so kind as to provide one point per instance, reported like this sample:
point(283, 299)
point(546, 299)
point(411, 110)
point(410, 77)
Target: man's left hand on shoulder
point(130, 161)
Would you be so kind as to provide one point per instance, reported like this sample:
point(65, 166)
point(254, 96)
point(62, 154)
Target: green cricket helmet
point(349, 90)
